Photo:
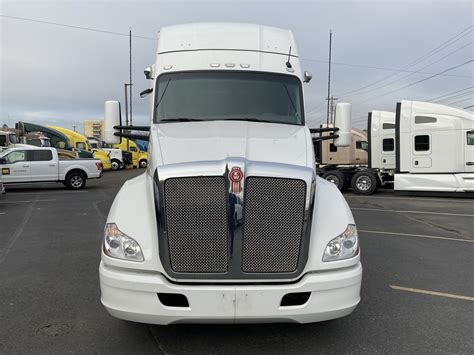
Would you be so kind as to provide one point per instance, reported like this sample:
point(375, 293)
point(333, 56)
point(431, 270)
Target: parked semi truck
point(423, 147)
point(339, 164)
point(80, 142)
point(227, 133)
point(115, 154)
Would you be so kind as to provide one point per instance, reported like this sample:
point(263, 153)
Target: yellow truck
point(139, 158)
point(78, 141)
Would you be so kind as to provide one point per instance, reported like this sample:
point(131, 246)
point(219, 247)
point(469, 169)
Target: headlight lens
point(343, 246)
point(119, 245)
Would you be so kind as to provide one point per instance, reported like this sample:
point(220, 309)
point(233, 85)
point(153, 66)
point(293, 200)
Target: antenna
point(288, 64)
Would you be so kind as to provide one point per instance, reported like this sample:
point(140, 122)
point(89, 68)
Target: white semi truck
point(422, 148)
point(230, 222)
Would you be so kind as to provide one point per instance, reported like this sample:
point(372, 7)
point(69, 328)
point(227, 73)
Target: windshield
point(13, 139)
point(208, 96)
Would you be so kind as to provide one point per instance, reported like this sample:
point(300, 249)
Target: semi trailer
point(230, 222)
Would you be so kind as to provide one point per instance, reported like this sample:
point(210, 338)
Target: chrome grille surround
point(239, 269)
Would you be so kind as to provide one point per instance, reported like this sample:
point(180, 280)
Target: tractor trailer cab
point(230, 222)
point(422, 148)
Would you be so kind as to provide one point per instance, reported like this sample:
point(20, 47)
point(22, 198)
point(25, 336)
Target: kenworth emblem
point(236, 175)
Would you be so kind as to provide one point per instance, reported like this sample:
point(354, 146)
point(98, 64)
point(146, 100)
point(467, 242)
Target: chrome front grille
point(255, 229)
point(273, 224)
point(197, 224)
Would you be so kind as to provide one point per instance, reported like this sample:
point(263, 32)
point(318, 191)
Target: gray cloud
point(52, 74)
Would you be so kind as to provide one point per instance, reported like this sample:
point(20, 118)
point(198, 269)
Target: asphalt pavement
point(417, 292)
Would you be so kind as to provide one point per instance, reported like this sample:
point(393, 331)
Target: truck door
point(16, 167)
point(43, 165)
point(469, 152)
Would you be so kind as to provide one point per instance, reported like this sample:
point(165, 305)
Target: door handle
point(470, 163)
point(52, 165)
point(26, 166)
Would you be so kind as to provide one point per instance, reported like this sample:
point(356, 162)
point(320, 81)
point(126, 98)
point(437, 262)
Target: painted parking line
point(414, 212)
point(14, 193)
point(460, 199)
point(416, 236)
point(432, 293)
point(30, 201)
point(2, 213)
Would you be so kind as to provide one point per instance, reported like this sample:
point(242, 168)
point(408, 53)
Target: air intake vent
point(197, 224)
point(273, 227)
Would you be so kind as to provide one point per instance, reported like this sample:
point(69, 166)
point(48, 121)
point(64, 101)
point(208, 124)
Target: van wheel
point(364, 183)
point(143, 163)
point(336, 177)
point(76, 181)
point(115, 165)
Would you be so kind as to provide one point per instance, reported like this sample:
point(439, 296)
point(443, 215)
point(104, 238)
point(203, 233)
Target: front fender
point(133, 211)
point(331, 215)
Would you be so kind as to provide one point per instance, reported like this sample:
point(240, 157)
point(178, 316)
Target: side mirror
point(307, 77)
point(111, 119)
point(3, 161)
point(343, 122)
point(149, 72)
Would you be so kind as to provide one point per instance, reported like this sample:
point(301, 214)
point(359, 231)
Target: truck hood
point(217, 140)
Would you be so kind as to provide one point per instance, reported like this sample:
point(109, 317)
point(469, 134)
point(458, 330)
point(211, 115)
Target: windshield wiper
point(180, 119)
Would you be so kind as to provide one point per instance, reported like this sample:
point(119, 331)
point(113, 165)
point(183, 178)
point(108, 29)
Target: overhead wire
point(418, 81)
point(75, 27)
point(449, 94)
point(410, 74)
point(432, 52)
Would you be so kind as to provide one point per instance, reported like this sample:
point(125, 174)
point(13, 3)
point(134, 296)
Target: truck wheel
point(143, 163)
point(115, 164)
point(336, 177)
point(364, 183)
point(76, 181)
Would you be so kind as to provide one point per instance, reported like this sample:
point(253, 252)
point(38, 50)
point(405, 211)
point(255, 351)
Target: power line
point(153, 39)
point(379, 68)
point(419, 81)
point(454, 103)
point(467, 93)
point(72, 26)
point(449, 94)
point(418, 60)
point(408, 75)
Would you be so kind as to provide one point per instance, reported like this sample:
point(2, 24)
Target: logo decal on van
point(5, 171)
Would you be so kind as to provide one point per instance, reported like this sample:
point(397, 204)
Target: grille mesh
point(197, 224)
point(274, 215)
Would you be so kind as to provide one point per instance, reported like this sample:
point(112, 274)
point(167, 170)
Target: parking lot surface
point(417, 291)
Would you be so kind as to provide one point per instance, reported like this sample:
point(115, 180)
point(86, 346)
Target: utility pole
point(130, 73)
point(125, 85)
point(333, 108)
point(329, 76)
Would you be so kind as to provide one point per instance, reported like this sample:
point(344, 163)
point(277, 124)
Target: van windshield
point(222, 95)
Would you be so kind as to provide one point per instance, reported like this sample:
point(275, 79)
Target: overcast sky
point(58, 75)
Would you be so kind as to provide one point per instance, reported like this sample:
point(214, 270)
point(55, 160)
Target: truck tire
point(336, 177)
point(115, 164)
point(364, 183)
point(143, 163)
point(76, 180)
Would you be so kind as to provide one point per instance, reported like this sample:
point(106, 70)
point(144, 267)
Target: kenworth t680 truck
point(230, 222)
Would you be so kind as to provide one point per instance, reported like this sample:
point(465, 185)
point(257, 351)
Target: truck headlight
point(344, 246)
point(119, 245)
